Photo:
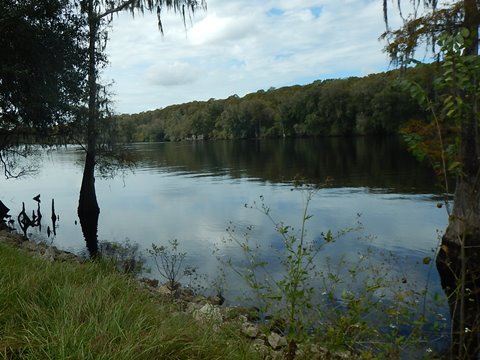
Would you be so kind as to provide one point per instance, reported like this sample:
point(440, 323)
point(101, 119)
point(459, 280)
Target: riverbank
point(57, 305)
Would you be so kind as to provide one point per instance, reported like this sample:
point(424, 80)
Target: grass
point(53, 310)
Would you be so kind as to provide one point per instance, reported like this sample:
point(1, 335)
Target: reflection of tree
point(386, 162)
point(25, 222)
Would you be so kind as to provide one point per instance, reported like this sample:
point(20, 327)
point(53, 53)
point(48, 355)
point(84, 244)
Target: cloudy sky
point(241, 46)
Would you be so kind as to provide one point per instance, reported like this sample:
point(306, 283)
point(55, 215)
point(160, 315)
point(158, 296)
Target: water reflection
point(371, 162)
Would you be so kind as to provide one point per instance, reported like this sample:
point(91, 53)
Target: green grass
point(88, 311)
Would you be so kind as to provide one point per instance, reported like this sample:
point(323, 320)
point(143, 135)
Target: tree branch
point(402, 42)
point(117, 9)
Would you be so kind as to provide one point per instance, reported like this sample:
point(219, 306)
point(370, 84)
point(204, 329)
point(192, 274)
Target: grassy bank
point(63, 310)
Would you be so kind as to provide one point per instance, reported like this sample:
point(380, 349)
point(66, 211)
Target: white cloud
point(240, 46)
point(175, 74)
point(215, 29)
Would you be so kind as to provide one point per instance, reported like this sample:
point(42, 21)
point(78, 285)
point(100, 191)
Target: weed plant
point(371, 307)
point(170, 263)
point(125, 255)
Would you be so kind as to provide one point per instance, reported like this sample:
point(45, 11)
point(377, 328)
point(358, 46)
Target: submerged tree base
point(459, 270)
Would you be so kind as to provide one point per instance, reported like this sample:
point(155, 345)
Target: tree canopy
point(369, 105)
point(42, 70)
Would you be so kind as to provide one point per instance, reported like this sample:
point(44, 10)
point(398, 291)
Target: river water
point(193, 191)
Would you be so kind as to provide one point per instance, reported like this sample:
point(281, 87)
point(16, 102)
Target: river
point(193, 191)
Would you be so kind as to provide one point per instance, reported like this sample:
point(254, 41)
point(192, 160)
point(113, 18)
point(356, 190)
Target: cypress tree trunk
point(458, 260)
point(458, 263)
point(88, 210)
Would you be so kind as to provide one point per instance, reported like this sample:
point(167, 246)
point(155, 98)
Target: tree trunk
point(88, 210)
point(458, 260)
point(459, 267)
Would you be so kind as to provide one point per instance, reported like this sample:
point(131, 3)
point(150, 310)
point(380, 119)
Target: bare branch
point(117, 9)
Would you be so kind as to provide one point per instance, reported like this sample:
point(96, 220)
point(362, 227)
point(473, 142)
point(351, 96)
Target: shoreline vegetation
point(369, 105)
point(57, 305)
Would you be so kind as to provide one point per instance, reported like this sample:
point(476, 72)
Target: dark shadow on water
point(368, 162)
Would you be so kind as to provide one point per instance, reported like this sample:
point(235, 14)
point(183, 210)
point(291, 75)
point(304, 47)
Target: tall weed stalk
point(287, 299)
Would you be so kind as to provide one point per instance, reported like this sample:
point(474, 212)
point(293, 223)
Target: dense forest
point(357, 105)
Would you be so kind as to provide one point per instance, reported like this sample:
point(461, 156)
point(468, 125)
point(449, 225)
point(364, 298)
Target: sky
point(239, 47)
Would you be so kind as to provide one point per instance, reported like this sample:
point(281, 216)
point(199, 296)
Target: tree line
point(373, 104)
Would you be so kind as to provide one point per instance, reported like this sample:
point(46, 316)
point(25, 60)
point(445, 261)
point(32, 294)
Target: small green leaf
point(454, 165)
point(451, 112)
point(427, 260)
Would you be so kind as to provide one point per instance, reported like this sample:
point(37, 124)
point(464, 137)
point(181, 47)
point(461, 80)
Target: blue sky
point(241, 46)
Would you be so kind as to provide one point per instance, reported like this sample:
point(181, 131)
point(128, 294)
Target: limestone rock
point(250, 330)
point(208, 312)
point(164, 290)
point(49, 254)
point(216, 300)
point(260, 347)
point(199, 299)
point(186, 294)
point(276, 341)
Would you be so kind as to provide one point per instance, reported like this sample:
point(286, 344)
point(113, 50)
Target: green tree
point(457, 259)
point(254, 114)
point(212, 113)
point(42, 72)
point(98, 14)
